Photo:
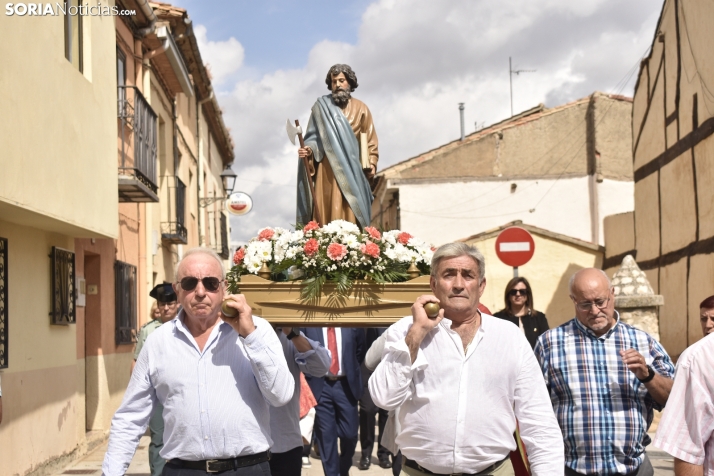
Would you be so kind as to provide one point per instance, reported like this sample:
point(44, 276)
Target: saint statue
point(342, 150)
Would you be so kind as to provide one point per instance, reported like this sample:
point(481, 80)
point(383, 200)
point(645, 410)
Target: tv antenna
point(511, 72)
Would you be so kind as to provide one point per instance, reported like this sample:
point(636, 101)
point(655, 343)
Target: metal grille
point(137, 115)
point(3, 304)
point(175, 230)
point(224, 252)
point(63, 295)
point(125, 302)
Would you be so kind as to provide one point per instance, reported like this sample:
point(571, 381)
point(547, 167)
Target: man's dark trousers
point(156, 427)
point(260, 469)
point(336, 417)
point(368, 412)
point(286, 464)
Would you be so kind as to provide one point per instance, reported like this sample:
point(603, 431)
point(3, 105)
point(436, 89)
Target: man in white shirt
point(686, 430)
point(461, 380)
point(215, 377)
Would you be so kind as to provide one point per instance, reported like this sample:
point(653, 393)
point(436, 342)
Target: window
point(73, 33)
point(121, 82)
point(125, 302)
point(224, 252)
point(3, 303)
point(62, 285)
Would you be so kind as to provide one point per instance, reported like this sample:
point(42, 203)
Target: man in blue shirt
point(215, 377)
point(605, 378)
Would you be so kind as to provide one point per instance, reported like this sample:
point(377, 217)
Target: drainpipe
point(150, 15)
point(199, 188)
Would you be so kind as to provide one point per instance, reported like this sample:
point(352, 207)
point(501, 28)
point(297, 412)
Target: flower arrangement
point(338, 253)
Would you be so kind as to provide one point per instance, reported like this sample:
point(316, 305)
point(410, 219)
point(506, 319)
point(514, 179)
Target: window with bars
point(125, 302)
point(3, 304)
point(62, 287)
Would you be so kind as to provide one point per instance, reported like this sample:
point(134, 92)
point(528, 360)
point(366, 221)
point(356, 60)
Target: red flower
point(404, 237)
point(336, 251)
point(313, 225)
point(238, 256)
point(373, 232)
point(371, 249)
point(266, 234)
point(311, 247)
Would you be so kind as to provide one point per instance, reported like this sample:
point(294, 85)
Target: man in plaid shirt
point(605, 378)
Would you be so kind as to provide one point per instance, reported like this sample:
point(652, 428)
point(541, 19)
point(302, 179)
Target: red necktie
point(332, 347)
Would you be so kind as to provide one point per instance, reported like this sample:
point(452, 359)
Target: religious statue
point(341, 149)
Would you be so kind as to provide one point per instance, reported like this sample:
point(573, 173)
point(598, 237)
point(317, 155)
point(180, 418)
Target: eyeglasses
point(515, 292)
point(168, 304)
point(599, 303)
point(210, 283)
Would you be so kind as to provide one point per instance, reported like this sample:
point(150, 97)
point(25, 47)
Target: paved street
point(92, 463)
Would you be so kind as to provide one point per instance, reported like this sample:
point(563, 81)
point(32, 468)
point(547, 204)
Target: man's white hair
point(203, 251)
point(572, 278)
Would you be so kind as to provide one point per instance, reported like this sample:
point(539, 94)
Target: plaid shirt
point(601, 407)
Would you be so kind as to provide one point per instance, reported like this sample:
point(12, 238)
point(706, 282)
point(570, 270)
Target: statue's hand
point(304, 152)
point(370, 172)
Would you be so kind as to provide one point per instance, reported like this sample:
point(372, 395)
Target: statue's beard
point(341, 97)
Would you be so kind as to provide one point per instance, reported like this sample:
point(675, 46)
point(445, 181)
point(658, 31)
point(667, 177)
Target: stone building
point(561, 169)
point(102, 192)
point(671, 231)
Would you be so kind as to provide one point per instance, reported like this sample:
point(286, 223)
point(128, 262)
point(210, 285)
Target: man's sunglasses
point(515, 292)
point(210, 283)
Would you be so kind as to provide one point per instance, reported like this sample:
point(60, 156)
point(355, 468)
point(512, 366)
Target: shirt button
point(205, 438)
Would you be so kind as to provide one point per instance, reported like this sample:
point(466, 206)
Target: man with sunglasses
point(168, 307)
point(605, 378)
point(215, 376)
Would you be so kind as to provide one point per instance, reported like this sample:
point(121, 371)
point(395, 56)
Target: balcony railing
point(137, 171)
point(174, 231)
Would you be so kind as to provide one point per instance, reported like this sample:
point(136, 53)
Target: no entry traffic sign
point(515, 246)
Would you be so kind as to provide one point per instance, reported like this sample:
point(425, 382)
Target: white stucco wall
point(442, 212)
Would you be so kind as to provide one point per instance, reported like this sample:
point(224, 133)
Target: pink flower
point(373, 232)
point(313, 225)
point(336, 251)
point(404, 237)
point(371, 249)
point(266, 234)
point(433, 248)
point(238, 256)
point(311, 247)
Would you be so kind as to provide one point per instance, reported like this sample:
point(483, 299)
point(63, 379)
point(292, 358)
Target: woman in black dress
point(519, 310)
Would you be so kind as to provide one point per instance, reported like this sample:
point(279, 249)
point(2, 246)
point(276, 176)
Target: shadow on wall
point(561, 310)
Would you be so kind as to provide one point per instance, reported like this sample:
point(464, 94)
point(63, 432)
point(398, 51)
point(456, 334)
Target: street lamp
point(228, 177)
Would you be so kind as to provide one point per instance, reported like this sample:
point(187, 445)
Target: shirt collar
point(180, 326)
point(591, 334)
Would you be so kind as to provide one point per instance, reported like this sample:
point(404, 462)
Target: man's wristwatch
point(292, 334)
point(650, 375)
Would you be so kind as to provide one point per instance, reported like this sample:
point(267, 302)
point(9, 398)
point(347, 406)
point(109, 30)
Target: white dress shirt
point(338, 339)
point(686, 430)
point(216, 401)
point(457, 413)
point(285, 420)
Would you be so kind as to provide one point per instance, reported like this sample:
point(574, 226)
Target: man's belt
point(414, 465)
point(220, 465)
point(334, 378)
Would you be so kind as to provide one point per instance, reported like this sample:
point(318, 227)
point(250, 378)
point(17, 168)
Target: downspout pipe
point(150, 15)
point(461, 115)
point(201, 145)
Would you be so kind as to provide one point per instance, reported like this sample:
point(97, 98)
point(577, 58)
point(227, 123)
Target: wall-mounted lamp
point(228, 177)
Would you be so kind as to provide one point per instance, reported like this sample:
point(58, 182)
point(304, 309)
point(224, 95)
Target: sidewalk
point(92, 463)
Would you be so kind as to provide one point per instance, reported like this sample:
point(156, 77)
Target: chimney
point(461, 114)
